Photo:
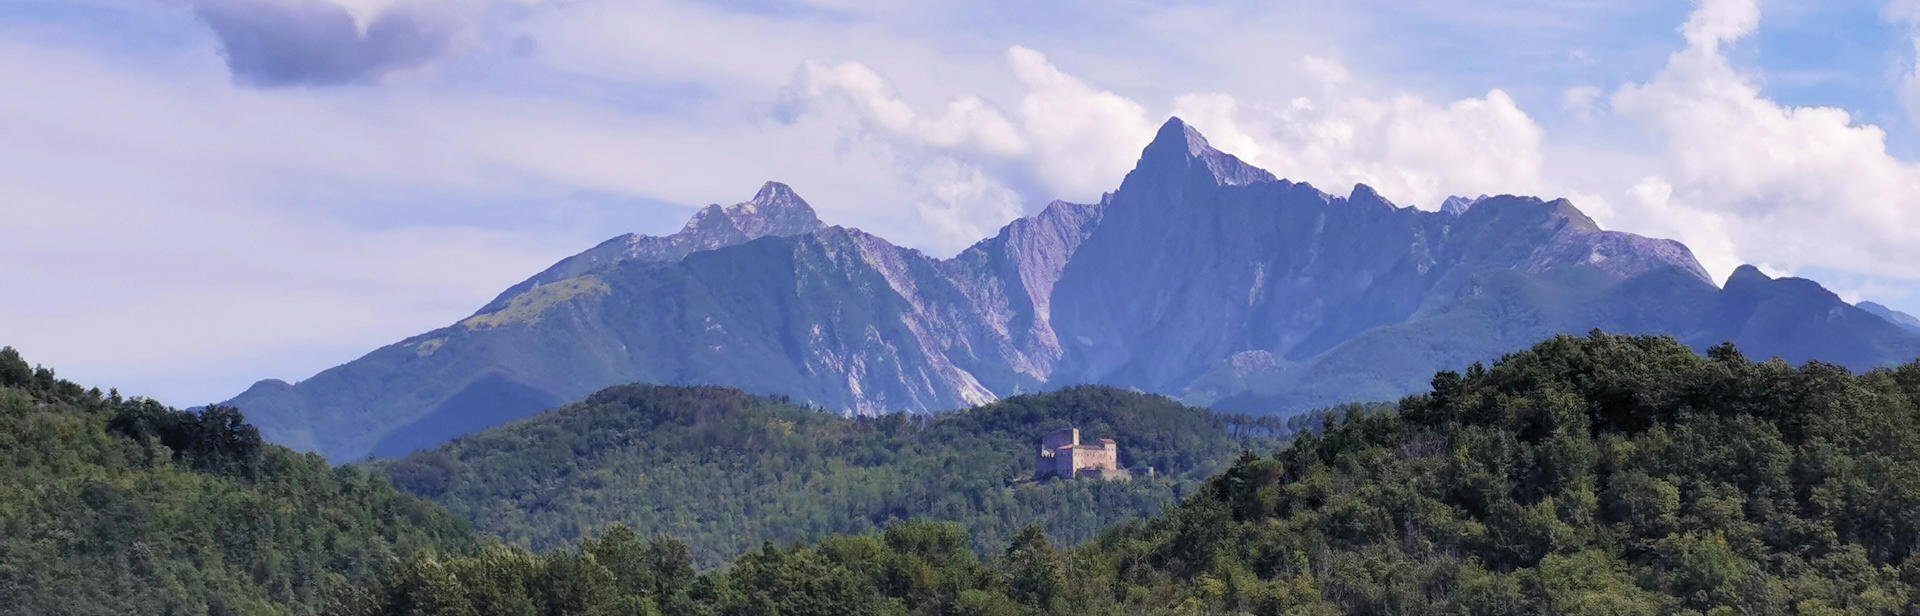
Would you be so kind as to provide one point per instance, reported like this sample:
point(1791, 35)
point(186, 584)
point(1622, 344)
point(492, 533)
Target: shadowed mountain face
point(1905, 321)
point(1200, 277)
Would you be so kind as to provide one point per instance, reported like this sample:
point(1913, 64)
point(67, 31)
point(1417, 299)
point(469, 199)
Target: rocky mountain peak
point(1747, 275)
point(1365, 196)
point(775, 192)
point(773, 210)
point(1178, 146)
point(1458, 205)
point(709, 219)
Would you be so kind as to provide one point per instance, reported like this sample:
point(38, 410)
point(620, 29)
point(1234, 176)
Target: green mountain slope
point(1596, 475)
point(1622, 475)
point(727, 471)
point(111, 506)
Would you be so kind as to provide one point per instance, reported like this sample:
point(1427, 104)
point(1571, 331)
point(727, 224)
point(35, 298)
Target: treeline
point(1595, 475)
point(112, 505)
point(123, 506)
point(910, 568)
point(1605, 474)
point(726, 471)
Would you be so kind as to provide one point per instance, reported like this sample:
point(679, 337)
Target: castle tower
point(1061, 455)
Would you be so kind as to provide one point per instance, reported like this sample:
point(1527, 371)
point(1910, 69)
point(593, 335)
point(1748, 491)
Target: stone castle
point(1061, 455)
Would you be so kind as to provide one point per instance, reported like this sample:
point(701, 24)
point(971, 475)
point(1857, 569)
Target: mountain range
point(1200, 277)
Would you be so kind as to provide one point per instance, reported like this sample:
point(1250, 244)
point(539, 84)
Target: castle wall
point(1062, 455)
point(1095, 458)
point(1060, 438)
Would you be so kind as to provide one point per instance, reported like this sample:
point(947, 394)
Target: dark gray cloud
point(270, 43)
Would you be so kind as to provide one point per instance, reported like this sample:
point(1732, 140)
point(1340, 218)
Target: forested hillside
point(726, 471)
point(1597, 475)
point(112, 506)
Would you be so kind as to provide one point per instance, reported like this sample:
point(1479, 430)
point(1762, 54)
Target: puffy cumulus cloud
point(1078, 140)
point(1075, 140)
point(1720, 21)
point(1408, 148)
point(967, 123)
point(1789, 186)
point(271, 43)
point(1084, 138)
point(961, 203)
point(958, 165)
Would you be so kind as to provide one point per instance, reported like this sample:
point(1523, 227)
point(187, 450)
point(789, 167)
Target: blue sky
point(201, 193)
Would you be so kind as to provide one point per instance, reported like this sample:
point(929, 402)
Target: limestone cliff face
point(1221, 262)
point(1200, 276)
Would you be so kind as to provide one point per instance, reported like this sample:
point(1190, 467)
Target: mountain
point(1200, 277)
point(773, 211)
point(117, 506)
point(1594, 475)
point(726, 471)
point(1902, 319)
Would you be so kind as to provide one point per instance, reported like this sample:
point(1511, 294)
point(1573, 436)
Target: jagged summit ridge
point(1201, 277)
point(1365, 196)
point(774, 210)
point(1747, 275)
point(1179, 146)
point(1458, 204)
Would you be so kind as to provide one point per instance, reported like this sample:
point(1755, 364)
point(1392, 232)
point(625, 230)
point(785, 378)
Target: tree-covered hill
point(726, 471)
point(1605, 474)
point(1596, 475)
point(112, 506)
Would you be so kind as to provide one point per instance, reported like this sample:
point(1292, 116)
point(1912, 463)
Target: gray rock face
point(775, 210)
point(1458, 205)
point(1201, 277)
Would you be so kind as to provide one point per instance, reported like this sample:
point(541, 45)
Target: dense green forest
point(1596, 475)
point(725, 471)
point(113, 506)
point(1593, 475)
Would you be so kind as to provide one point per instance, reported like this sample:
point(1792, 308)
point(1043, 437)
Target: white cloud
point(1793, 186)
point(1581, 100)
point(1408, 148)
point(961, 203)
point(1073, 140)
point(1906, 13)
point(968, 122)
point(1902, 11)
point(1078, 140)
point(1717, 22)
point(1085, 139)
